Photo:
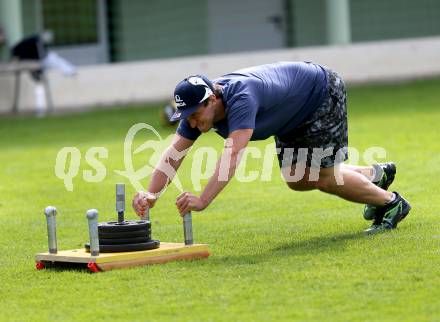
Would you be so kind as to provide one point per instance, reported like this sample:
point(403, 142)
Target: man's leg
point(391, 208)
point(368, 172)
point(383, 175)
point(356, 187)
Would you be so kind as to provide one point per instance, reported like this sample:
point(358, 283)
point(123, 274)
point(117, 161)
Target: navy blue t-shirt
point(271, 99)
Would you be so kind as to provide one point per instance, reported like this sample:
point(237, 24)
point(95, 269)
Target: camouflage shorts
point(321, 140)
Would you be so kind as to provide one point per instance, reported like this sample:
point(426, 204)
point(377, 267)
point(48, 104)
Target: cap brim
point(180, 115)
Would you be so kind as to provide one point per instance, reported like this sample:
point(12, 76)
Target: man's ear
point(210, 99)
point(213, 98)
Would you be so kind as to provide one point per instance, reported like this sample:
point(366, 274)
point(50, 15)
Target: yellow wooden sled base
point(106, 261)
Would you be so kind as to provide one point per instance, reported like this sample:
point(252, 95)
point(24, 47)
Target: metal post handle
point(120, 201)
point(92, 216)
point(146, 214)
point(187, 228)
point(51, 213)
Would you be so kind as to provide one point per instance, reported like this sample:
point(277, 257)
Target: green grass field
point(276, 254)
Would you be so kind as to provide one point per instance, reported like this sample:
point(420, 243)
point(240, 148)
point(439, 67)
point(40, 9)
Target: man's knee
point(327, 181)
point(297, 178)
point(324, 185)
point(302, 185)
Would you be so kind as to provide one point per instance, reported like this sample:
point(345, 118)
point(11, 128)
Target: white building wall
point(153, 81)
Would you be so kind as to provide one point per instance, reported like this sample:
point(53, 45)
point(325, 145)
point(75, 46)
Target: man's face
point(203, 118)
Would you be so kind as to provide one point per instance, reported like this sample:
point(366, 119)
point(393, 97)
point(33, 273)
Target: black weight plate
point(126, 234)
point(128, 225)
point(125, 248)
point(122, 241)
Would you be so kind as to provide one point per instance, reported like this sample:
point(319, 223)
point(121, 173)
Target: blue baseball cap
point(189, 94)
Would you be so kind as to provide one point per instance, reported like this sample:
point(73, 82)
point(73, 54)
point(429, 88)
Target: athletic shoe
point(392, 213)
point(388, 173)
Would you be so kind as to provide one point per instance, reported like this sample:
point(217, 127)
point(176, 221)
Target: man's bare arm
point(173, 156)
point(163, 173)
point(224, 171)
